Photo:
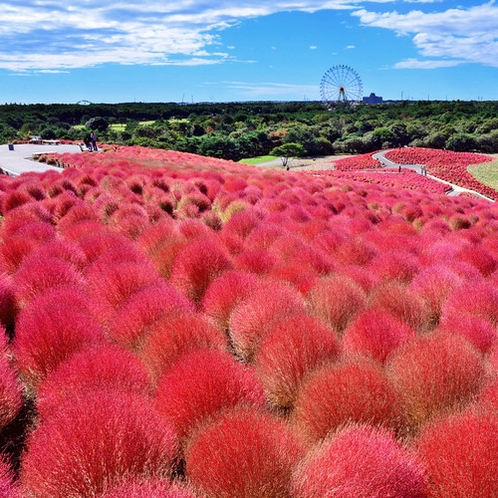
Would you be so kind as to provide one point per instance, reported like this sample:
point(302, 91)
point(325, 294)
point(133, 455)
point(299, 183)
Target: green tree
point(97, 123)
point(288, 151)
point(461, 142)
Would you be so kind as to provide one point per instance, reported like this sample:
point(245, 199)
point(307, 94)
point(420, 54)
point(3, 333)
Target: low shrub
point(95, 441)
point(242, 453)
point(224, 293)
point(197, 265)
point(290, 348)
point(336, 300)
point(461, 455)
point(402, 302)
point(435, 374)
point(106, 368)
point(201, 383)
point(8, 485)
point(130, 323)
point(360, 462)
point(148, 488)
point(354, 390)
point(50, 329)
point(252, 316)
point(176, 334)
point(38, 274)
point(376, 333)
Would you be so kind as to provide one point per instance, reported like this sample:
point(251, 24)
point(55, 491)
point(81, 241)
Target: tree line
point(248, 129)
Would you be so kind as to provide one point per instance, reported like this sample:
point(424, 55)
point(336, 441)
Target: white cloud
point(426, 64)
point(278, 90)
point(349, 47)
point(50, 34)
point(313, 47)
point(456, 35)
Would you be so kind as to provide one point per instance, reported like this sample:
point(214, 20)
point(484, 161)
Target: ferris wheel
point(341, 85)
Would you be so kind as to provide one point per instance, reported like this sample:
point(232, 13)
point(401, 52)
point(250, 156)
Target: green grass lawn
point(258, 160)
point(117, 126)
point(486, 173)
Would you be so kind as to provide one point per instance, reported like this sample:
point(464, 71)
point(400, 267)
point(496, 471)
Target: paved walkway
point(20, 160)
point(455, 189)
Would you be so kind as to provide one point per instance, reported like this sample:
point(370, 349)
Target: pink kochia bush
point(104, 368)
point(54, 326)
point(242, 453)
point(224, 293)
point(181, 326)
point(354, 390)
point(148, 488)
point(93, 442)
point(360, 462)
point(8, 487)
point(176, 334)
point(461, 455)
point(253, 315)
point(200, 384)
point(11, 399)
point(196, 265)
point(290, 348)
point(336, 300)
point(376, 333)
point(435, 374)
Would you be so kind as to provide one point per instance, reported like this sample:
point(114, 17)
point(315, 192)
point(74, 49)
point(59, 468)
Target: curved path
point(455, 189)
point(20, 159)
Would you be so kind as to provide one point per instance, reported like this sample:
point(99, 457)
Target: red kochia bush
point(360, 462)
point(108, 367)
point(201, 383)
point(376, 333)
point(50, 329)
point(115, 283)
point(94, 441)
point(401, 302)
point(479, 298)
point(39, 273)
point(252, 316)
point(176, 334)
point(461, 455)
point(336, 300)
point(8, 305)
point(197, 264)
point(290, 348)
point(355, 390)
point(130, 323)
point(14, 199)
point(13, 251)
point(436, 373)
point(433, 284)
point(10, 388)
point(243, 453)
point(224, 293)
point(148, 489)
point(8, 487)
point(478, 331)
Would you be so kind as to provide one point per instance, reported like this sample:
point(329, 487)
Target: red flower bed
point(445, 164)
point(175, 325)
point(353, 163)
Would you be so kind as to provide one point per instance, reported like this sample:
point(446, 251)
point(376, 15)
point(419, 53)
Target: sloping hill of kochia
point(447, 165)
point(177, 326)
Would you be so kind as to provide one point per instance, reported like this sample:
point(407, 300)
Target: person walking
point(93, 137)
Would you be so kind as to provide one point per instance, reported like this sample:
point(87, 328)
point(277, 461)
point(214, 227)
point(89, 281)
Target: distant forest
point(242, 130)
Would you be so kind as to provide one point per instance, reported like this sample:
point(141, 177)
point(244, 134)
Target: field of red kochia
point(178, 326)
point(445, 164)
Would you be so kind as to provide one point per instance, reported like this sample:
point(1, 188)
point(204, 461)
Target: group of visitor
point(90, 141)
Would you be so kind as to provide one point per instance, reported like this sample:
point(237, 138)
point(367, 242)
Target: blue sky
point(239, 50)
